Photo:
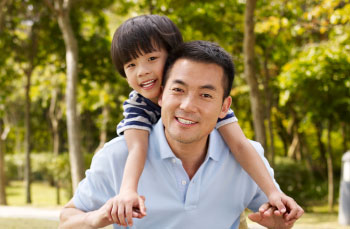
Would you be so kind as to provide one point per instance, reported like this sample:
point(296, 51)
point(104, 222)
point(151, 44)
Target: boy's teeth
point(184, 121)
point(148, 83)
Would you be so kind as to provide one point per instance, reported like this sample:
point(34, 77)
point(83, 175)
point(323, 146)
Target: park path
point(29, 212)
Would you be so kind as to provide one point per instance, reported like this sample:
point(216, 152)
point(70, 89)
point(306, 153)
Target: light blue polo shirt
point(214, 198)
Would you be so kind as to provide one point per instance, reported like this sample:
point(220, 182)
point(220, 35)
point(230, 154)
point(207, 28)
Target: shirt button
point(183, 182)
point(173, 160)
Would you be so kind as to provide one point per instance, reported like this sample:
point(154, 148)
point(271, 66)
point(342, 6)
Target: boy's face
point(145, 73)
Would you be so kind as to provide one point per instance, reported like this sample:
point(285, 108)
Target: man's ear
point(160, 97)
point(225, 106)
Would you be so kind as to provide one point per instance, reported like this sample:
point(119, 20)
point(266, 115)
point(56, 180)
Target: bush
point(298, 182)
point(45, 167)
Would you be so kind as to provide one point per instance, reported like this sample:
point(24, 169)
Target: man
point(190, 179)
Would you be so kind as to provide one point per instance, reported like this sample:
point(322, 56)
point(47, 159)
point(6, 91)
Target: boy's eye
point(130, 65)
point(152, 58)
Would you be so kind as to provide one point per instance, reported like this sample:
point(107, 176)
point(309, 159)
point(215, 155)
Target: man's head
point(204, 52)
point(196, 91)
point(141, 35)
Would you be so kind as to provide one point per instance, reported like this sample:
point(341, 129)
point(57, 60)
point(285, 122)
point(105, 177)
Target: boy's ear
point(225, 106)
point(160, 97)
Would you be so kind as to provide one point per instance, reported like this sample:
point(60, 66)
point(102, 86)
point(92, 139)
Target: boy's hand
point(127, 205)
point(270, 219)
point(284, 205)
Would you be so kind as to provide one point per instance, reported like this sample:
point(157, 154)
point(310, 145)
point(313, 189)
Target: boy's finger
point(269, 211)
point(114, 213)
point(280, 206)
point(142, 206)
point(128, 213)
point(121, 214)
point(264, 207)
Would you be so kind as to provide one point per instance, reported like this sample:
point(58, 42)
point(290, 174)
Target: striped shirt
point(141, 113)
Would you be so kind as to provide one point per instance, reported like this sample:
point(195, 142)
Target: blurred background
point(61, 98)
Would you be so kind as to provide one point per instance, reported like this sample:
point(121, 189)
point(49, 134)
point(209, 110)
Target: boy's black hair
point(143, 34)
point(204, 52)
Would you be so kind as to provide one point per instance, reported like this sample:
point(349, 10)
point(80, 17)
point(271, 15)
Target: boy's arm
point(137, 142)
point(251, 162)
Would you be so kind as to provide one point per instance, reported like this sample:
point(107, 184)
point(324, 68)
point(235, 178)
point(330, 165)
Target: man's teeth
point(148, 83)
point(184, 121)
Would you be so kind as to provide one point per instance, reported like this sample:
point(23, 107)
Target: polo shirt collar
point(215, 148)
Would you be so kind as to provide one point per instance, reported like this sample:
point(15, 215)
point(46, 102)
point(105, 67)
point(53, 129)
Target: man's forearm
point(71, 217)
point(75, 218)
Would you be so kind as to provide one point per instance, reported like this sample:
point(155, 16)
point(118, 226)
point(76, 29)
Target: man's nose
point(188, 103)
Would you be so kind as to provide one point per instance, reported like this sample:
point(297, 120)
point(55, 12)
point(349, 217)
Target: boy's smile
point(144, 73)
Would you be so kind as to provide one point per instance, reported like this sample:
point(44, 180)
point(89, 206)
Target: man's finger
point(255, 217)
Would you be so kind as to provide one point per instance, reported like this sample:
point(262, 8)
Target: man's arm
point(71, 217)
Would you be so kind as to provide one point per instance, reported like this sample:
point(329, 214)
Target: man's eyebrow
point(179, 82)
point(208, 86)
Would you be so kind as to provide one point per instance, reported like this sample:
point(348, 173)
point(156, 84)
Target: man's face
point(192, 101)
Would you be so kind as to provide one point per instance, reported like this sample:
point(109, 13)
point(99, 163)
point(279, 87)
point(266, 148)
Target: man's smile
point(185, 121)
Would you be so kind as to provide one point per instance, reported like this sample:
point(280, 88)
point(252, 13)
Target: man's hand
point(126, 206)
point(271, 218)
point(285, 205)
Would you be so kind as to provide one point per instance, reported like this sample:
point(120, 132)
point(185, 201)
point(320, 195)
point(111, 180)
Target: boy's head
point(203, 52)
point(143, 34)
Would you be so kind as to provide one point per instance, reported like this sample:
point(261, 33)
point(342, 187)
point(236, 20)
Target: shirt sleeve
point(139, 113)
point(229, 118)
point(101, 181)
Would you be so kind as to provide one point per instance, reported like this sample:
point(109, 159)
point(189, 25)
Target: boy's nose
point(142, 71)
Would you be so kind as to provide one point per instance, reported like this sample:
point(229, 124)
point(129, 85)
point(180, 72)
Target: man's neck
point(192, 155)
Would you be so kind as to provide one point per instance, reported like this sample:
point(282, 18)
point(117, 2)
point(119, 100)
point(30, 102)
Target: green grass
point(43, 195)
point(13, 223)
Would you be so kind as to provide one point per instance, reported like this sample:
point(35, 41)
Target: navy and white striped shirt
point(141, 113)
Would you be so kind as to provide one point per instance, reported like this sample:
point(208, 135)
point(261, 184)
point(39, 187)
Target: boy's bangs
point(133, 48)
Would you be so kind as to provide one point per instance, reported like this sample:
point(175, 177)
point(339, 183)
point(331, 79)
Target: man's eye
point(175, 89)
point(207, 96)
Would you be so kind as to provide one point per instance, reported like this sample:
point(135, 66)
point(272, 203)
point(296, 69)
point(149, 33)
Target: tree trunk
point(55, 116)
point(27, 170)
point(75, 154)
point(2, 166)
point(103, 132)
point(321, 146)
point(330, 169)
point(269, 104)
point(2, 6)
point(249, 72)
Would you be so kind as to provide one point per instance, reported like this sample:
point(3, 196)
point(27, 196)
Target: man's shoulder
point(116, 147)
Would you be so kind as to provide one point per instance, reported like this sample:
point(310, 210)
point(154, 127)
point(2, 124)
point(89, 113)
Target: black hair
point(205, 52)
point(143, 34)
